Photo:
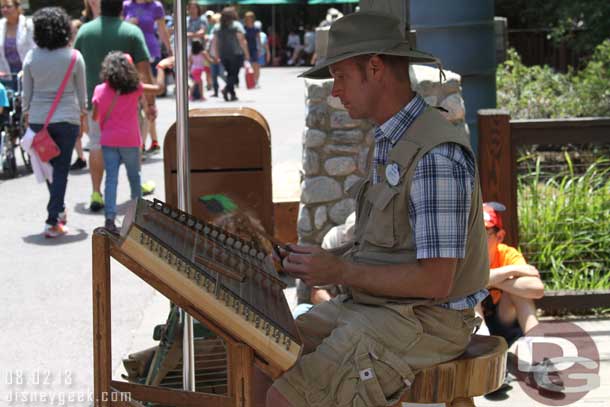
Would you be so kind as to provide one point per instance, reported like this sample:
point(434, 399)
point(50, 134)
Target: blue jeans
point(113, 157)
point(64, 134)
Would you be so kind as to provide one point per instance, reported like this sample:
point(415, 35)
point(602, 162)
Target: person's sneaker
point(79, 164)
point(51, 231)
point(111, 227)
point(148, 188)
point(501, 392)
point(154, 148)
point(97, 202)
point(63, 217)
point(545, 377)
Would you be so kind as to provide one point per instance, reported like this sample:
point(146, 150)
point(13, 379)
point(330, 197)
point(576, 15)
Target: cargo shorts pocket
point(377, 377)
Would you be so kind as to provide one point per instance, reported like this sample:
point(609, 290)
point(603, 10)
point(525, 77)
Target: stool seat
point(479, 370)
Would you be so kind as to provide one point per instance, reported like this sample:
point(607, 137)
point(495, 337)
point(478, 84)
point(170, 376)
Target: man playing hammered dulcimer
point(418, 263)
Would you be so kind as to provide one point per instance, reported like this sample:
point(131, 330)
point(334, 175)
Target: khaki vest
point(383, 233)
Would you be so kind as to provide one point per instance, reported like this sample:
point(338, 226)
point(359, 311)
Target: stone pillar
point(335, 151)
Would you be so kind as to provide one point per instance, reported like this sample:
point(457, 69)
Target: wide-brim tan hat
point(361, 33)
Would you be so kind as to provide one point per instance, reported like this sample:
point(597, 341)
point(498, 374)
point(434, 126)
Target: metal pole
point(183, 173)
point(274, 32)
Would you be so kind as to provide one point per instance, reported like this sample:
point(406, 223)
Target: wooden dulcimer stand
point(222, 280)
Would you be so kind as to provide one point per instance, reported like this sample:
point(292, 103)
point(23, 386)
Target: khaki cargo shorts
point(94, 132)
point(361, 355)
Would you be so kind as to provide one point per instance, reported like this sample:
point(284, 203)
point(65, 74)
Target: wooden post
point(497, 167)
point(102, 355)
point(242, 362)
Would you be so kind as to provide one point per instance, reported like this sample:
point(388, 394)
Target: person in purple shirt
point(145, 14)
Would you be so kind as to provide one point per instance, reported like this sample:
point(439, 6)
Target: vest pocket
point(380, 227)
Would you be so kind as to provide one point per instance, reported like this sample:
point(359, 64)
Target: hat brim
point(321, 69)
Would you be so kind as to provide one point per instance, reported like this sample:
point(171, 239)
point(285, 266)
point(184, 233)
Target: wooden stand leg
point(463, 402)
point(102, 364)
point(242, 362)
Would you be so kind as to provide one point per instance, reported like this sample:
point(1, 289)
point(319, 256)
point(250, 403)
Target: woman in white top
point(16, 39)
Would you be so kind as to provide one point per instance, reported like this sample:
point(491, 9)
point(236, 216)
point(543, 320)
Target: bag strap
point(60, 91)
point(114, 99)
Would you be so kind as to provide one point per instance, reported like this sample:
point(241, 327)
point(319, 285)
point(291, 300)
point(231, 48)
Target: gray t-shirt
point(43, 72)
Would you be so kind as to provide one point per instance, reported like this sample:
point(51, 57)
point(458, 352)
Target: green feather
point(218, 203)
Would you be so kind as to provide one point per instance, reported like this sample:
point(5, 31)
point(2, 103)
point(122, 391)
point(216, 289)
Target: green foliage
point(539, 92)
point(564, 223)
point(562, 18)
point(592, 84)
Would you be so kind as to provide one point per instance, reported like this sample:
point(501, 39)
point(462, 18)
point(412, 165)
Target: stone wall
point(336, 148)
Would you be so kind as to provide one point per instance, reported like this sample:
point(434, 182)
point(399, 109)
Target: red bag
point(43, 143)
point(45, 146)
point(250, 83)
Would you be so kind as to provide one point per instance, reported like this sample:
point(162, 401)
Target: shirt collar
point(395, 126)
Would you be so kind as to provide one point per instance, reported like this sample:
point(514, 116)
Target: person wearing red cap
point(509, 310)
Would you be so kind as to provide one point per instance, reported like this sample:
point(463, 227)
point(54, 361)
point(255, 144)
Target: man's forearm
point(431, 278)
point(526, 287)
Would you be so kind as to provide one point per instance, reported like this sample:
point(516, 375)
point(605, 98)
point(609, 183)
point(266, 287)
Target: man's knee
point(276, 399)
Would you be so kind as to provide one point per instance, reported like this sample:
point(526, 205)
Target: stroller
point(12, 129)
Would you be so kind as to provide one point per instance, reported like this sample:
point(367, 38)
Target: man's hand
point(133, 20)
point(313, 265)
point(167, 63)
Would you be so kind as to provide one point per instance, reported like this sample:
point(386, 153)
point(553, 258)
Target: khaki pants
point(362, 355)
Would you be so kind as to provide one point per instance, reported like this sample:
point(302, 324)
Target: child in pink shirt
point(199, 56)
point(115, 107)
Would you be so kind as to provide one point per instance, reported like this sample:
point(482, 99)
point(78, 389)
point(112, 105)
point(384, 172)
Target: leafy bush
point(564, 221)
point(591, 17)
point(538, 92)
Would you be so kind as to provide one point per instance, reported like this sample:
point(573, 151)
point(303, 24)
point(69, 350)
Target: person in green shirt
point(95, 40)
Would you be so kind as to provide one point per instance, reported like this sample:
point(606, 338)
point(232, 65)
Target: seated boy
point(509, 310)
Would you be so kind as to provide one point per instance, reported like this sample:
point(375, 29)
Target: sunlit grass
point(564, 224)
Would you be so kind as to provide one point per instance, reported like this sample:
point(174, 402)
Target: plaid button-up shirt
point(440, 195)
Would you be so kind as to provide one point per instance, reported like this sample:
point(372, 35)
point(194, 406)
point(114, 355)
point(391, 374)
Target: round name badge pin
point(392, 174)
